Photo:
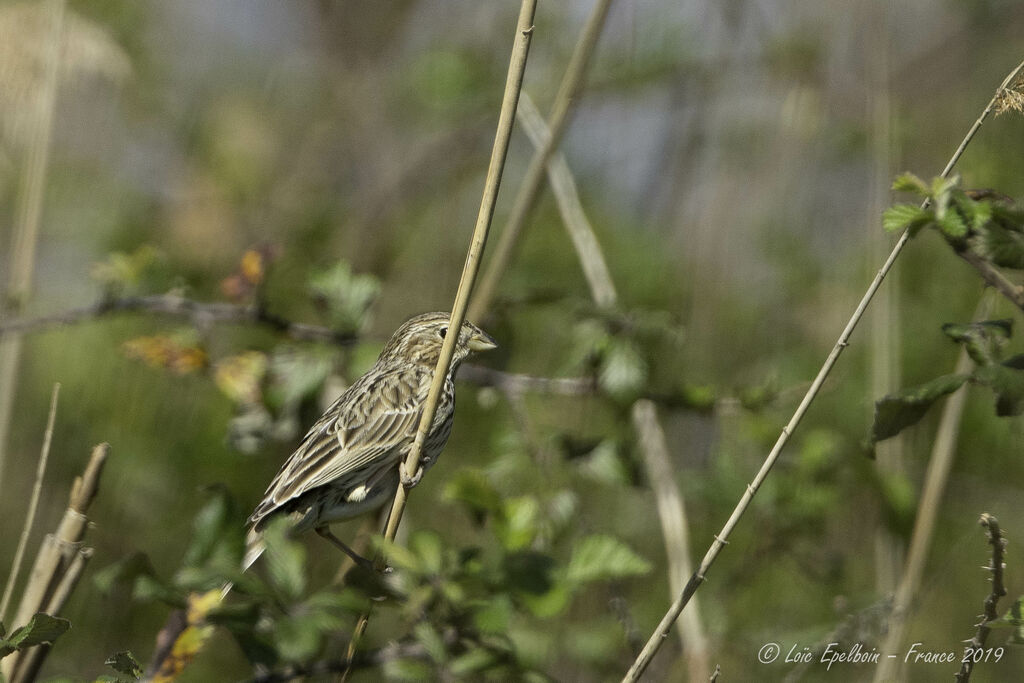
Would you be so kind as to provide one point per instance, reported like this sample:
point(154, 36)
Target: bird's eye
point(442, 332)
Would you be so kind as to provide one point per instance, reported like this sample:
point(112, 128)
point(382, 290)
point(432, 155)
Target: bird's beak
point(481, 341)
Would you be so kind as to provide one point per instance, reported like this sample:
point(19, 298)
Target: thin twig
point(565, 100)
point(654, 643)
point(513, 86)
point(998, 543)
point(33, 505)
point(516, 383)
point(200, 314)
point(939, 465)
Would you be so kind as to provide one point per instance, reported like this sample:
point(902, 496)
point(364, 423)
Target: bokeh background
point(733, 158)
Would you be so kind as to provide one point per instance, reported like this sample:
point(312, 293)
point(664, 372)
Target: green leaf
point(908, 182)
point(296, 373)
point(516, 527)
point(476, 659)
point(124, 662)
point(297, 638)
point(407, 670)
point(41, 628)
point(216, 533)
point(1013, 619)
point(285, 559)
point(896, 412)
point(600, 557)
point(952, 224)
point(942, 193)
point(431, 641)
point(983, 341)
point(905, 217)
point(345, 297)
point(1008, 385)
point(1002, 247)
point(623, 370)
point(429, 547)
point(494, 616)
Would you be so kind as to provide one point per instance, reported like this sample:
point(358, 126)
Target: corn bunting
point(352, 459)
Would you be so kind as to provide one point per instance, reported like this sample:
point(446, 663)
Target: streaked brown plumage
point(349, 461)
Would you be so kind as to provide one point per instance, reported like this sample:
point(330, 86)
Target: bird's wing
point(372, 420)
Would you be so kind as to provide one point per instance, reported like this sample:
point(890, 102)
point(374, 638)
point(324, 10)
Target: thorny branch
point(998, 543)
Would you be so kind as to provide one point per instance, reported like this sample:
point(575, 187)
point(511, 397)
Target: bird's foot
point(407, 481)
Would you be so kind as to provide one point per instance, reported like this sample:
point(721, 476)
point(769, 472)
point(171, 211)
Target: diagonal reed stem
point(661, 632)
point(513, 86)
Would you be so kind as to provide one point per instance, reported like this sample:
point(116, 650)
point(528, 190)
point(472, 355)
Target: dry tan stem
point(26, 226)
point(654, 643)
point(34, 658)
point(669, 501)
point(563, 186)
point(57, 554)
point(533, 181)
point(674, 529)
point(33, 504)
point(513, 86)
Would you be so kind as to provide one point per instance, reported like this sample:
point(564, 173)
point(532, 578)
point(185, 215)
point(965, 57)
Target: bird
point(352, 459)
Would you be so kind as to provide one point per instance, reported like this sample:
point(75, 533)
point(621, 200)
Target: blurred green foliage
point(323, 161)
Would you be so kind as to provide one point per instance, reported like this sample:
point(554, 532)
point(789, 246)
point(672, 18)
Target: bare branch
point(200, 314)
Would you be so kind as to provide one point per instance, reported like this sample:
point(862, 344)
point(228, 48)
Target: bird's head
point(419, 340)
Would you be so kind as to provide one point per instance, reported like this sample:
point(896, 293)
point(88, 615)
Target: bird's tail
point(254, 547)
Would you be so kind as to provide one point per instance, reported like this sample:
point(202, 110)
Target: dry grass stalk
point(33, 505)
point(59, 562)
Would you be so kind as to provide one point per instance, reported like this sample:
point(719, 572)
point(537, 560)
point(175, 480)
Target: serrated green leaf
point(983, 341)
point(285, 559)
point(905, 217)
point(124, 662)
point(908, 182)
point(41, 628)
point(601, 557)
point(952, 224)
point(896, 412)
